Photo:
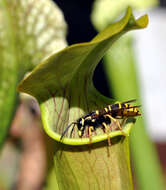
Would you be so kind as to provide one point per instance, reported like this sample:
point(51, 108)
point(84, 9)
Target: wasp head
point(80, 125)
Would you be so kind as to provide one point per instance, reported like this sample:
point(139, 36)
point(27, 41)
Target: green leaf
point(28, 33)
point(105, 11)
point(63, 83)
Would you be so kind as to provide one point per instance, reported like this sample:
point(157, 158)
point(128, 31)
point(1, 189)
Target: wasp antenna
point(65, 131)
point(72, 130)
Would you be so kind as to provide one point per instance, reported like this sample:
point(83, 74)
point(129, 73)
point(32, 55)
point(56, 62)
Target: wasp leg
point(107, 131)
point(86, 132)
point(124, 120)
point(90, 130)
point(115, 120)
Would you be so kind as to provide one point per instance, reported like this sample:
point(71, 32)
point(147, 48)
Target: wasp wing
point(129, 101)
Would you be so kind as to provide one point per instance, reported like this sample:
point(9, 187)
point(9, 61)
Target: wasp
point(102, 118)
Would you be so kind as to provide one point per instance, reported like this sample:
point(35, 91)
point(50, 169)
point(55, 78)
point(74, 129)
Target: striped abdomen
point(121, 110)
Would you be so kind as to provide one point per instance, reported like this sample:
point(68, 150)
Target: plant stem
point(122, 78)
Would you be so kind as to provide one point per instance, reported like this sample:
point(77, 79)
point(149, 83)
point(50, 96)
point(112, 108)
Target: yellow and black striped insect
point(102, 118)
